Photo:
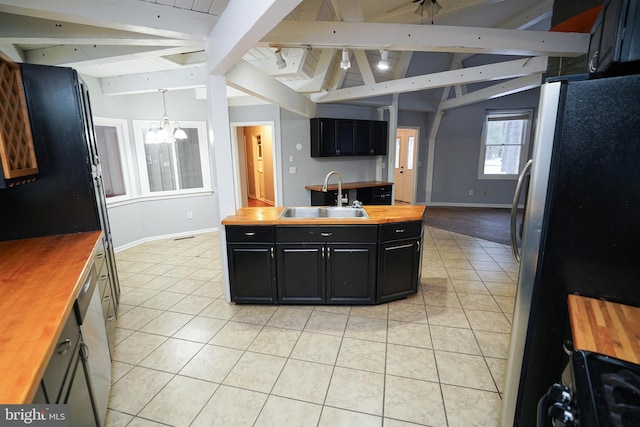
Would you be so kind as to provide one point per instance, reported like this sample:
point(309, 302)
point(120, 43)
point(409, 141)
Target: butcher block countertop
point(40, 279)
point(349, 185)
point(377, 215)
point(605, 327)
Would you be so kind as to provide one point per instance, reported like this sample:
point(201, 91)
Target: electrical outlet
point(292, 169)
point(189, 215)
point(470, 192)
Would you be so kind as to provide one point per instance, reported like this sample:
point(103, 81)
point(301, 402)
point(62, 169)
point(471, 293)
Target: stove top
point(606, 390)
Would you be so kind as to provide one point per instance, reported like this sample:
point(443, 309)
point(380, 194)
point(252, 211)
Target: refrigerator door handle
point(514, 209)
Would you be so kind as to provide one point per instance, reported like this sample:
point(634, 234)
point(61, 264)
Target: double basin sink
point(323, 212)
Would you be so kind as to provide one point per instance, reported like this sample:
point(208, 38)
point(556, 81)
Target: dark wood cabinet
point(351, 270)
point(251, 258)
point(328, 198)
point(399, 252)
point(301, 273)
point(323, 137)
point(380, 195)
point(379, 137)
point(347, 137)
point(315, 264)
point(334, 265)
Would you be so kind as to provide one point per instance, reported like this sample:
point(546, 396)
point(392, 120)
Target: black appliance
point(596, 391)
point(581, 226)
point(615, 38)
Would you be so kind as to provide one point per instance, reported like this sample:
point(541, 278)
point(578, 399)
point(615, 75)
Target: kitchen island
point(324, 260)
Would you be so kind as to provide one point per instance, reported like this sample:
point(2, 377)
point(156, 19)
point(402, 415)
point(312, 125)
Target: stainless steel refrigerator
point(581, 230)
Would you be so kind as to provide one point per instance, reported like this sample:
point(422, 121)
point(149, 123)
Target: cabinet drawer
point(99, 260)
point(383, 189)
point(345, 233)
point(400, 230)
point(64, 350)
point(248, 234)
point(107, 299)
point(103, 282)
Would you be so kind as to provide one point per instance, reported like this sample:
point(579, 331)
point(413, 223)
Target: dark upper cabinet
point(346, 137)
point(323, 138)
point(379, 137)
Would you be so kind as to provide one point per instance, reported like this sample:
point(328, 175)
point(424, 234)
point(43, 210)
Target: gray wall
point(457, 153)
point(144, 219)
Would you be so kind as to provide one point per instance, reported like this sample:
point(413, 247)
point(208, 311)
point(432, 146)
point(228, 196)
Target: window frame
point(525, 113)
point(143, 175)
point(124, 144)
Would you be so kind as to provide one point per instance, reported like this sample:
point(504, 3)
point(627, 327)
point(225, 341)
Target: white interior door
point(406, 140)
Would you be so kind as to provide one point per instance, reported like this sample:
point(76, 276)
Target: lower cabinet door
point(252, 273)
point(398, 263)
point(351, 273)
point(301, 273)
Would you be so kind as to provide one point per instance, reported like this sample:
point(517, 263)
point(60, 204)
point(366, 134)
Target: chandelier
point(164, 132)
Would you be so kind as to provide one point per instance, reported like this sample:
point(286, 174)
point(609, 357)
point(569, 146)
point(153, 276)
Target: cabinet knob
point(249, 233)
point(399, 230)
point(326, 234)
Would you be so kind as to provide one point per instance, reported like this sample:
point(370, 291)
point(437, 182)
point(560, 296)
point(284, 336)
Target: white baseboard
point(163, 237)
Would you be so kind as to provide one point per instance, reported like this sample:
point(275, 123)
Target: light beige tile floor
point(186, 357)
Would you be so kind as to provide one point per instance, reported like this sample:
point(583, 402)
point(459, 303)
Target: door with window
point(406, 145)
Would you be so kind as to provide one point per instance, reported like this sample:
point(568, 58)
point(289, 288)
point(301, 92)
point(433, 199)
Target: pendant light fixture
point(164, 133)
point(345, 64)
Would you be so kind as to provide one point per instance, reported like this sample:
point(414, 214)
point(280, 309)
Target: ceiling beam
point(183, 78)
point(16, 29)
point(498, 71)
point(427, 38)
point(138, 16)
point(496, 91)
point(252, 81)
point(72, 56)
point(240, 27)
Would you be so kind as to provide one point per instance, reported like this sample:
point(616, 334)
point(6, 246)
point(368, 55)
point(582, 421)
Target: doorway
point(406, 154)
point(256, 165)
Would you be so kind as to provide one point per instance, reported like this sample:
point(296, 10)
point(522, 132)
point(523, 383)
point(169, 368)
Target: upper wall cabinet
point(17, 154)
point(346, 137)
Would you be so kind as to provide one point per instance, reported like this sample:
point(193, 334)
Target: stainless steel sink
point(323, 212)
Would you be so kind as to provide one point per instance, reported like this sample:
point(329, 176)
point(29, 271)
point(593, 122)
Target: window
point(173, 167)
point(111, 139)
point(505, 138)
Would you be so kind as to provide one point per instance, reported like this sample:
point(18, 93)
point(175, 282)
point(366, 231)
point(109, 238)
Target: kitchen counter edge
point(40, 279)
point(377, 215)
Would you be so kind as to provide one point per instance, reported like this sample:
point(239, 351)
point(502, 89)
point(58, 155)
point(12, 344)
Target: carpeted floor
point(486, 223)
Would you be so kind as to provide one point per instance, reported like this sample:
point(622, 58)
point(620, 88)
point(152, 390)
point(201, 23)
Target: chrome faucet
point(324, 187)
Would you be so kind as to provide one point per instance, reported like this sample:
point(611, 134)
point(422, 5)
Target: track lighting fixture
point(384, 60)
point(280, 62)
point(345, 64)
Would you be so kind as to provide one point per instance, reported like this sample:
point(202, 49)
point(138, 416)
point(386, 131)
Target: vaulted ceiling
point(145, 45)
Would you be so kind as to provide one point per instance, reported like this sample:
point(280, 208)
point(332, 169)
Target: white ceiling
point(143, 45)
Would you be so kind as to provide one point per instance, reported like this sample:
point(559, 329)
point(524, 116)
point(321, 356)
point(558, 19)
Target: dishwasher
point(95, 355)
